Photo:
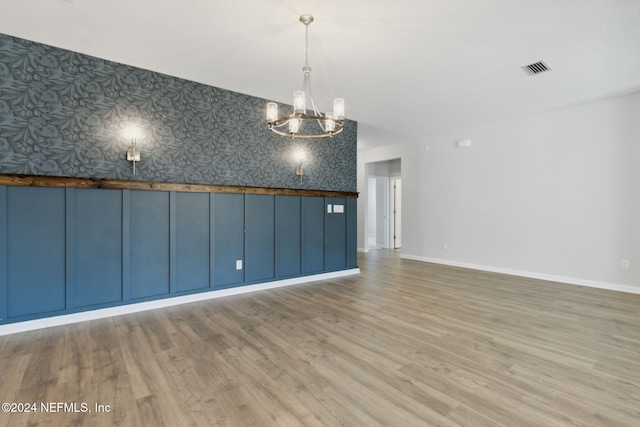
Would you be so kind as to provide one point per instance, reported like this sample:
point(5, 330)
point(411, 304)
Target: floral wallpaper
point(67, 114)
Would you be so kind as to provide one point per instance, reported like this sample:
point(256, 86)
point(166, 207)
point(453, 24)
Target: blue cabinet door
point(35, 250)
point(148, 243)
point(97, 246)
point(259, 237)
point(191, 241)
point(228, 235)
point(312, 234)
point(288, 236)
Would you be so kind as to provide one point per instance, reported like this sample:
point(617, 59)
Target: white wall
point(372, 202)
point(554, 195)
point(387, 168)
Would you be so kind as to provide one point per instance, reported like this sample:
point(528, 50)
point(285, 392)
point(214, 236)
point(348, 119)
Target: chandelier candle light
point(328, 125)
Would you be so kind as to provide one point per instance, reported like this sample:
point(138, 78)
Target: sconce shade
point(298, 102)
point(294, 125)
point(330, 124)
point(338, 108)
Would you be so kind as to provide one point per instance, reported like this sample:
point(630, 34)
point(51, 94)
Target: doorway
point(377, 210)
point(383, 215)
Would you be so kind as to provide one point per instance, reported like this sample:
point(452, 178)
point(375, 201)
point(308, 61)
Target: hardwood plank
point(13, 369)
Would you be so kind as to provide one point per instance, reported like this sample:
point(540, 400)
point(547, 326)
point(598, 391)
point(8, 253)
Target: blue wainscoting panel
point(313, 209)
point(68, 250)
point(335, 234)
point(352, 233)
point(3, 253)
point(148, 243)
point(228, 235)
point(288, 236)
point(192, 242)
point(98, 247)
point(36, 256)
point(259, 237)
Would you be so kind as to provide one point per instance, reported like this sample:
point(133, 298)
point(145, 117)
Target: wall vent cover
point(537, 68)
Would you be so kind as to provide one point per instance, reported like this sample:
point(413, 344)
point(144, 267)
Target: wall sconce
point(300, 170)
point(131, 132)
point(133, 155)
point(298, 157)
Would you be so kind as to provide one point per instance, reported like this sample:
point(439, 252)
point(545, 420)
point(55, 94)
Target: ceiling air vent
point(537, 68)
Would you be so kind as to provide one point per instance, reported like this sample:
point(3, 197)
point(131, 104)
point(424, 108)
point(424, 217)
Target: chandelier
point(315, 125)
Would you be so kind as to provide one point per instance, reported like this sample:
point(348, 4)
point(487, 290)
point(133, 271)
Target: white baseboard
point(365, 250)
point(541, 276)
point(66, 319)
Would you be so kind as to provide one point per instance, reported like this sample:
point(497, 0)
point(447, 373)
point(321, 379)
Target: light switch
point(329, 208)
point(338, 208)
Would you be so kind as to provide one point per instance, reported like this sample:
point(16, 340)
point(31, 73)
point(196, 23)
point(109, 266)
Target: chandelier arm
point(274, 124)
point(279, 125)
point(313, 104)
point(316, 136)
point(306, 88)
point(322, 126)
point(281, 120)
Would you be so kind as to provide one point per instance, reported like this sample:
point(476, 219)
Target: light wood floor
point(403, 344)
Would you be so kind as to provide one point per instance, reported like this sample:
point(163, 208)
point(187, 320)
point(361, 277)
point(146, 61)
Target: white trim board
point(541, 276)
point(65, 319)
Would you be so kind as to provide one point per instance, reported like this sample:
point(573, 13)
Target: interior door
point(396, 218)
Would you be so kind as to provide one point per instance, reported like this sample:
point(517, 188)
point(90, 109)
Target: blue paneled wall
point(70, 250)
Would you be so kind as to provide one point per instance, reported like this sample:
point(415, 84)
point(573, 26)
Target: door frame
point(395, 217)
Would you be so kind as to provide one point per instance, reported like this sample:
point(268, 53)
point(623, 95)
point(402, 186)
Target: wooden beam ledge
point(116, 184)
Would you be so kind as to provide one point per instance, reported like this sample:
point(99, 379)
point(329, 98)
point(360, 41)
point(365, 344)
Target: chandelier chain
point(306, 45)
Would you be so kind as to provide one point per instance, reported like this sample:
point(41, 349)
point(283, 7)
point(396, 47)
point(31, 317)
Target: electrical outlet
point(624, 263)
point(445, 247)
point(238, 264)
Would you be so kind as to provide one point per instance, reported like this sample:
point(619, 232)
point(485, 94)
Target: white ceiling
point(406, 68)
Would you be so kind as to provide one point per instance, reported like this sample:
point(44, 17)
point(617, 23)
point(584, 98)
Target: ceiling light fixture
point(328, 125)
